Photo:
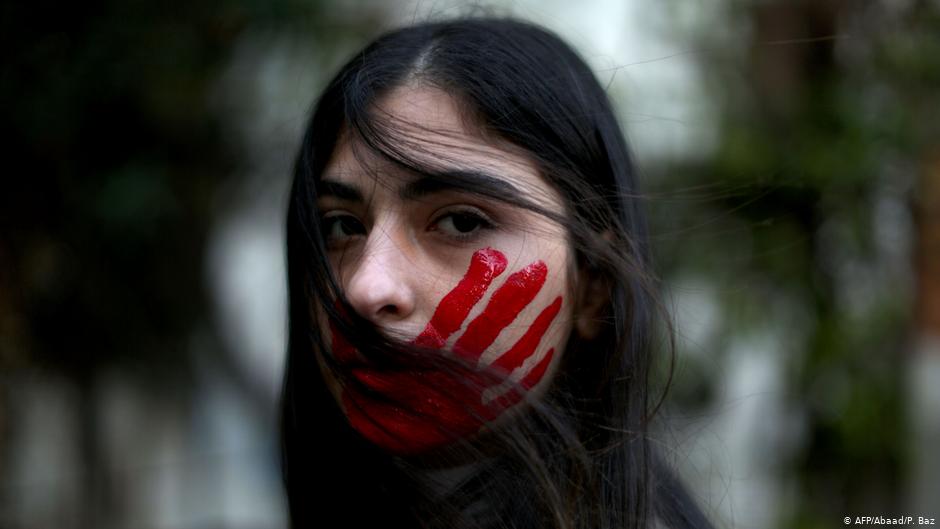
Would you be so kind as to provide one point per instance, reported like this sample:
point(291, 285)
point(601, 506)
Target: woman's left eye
point(462, 225)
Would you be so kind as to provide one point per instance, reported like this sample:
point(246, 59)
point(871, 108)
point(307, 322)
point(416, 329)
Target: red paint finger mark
point(533, 377)
point(525, 346)
point(485, 265)
point(514, 395)
point(513, 296)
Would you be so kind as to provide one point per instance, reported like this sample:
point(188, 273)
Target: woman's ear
point(592, 296)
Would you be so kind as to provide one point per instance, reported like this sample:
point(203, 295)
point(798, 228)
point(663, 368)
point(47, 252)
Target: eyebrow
point(461, 180)
point(332, 188)
point(467, 181)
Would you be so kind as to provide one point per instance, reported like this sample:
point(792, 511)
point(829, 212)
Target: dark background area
point(801, 251)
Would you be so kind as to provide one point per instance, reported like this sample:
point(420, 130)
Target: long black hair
point(581, 457)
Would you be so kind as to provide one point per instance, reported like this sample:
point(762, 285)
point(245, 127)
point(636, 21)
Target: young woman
point(471, 305)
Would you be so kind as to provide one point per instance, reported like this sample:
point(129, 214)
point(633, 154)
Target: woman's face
point(435, 266)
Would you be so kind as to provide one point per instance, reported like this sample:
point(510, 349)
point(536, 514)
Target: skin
point(424, 262)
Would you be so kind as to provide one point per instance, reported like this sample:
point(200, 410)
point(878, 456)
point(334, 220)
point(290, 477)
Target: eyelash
point(484, 222)
point(331, 219)
point(481, 222)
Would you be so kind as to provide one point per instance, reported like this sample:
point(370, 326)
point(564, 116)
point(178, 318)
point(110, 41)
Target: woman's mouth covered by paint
point(415, 409)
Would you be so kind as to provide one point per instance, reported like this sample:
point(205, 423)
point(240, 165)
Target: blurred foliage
point(828, 112)
point(115, 149)
point(115, 152)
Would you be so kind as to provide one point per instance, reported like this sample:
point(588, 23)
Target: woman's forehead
point(427, 126)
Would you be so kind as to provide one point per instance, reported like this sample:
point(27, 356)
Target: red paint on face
point(525, 347)
point(485, 265)
point(425, 409)
point(512, 397)
point(422, 409)
point(517, 292)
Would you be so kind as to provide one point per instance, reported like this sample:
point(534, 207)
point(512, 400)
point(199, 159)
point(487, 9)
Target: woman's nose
point(379, 288)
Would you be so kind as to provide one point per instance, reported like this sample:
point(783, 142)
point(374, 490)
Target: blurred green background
point(790, 152)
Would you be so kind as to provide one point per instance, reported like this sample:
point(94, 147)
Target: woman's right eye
point(338, 228)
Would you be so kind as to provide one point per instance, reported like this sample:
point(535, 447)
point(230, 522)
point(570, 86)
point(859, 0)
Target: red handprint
point(426, 409)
